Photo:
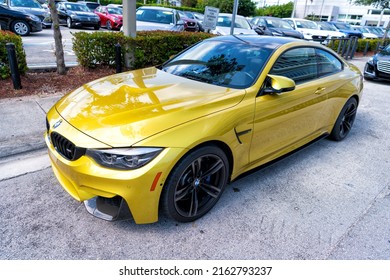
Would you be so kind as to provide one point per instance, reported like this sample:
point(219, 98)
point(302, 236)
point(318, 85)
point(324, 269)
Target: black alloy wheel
point(345, 120)
point(196, 184)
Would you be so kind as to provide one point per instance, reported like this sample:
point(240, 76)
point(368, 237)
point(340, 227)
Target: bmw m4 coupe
point(168, 139)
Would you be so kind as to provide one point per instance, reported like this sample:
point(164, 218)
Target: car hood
point(147, 26)
point(369, 35)
point(383, 56)
point(123, 109)
point(337, 34)
point(287, 32)
point(116, 16)
point(351, 32)
point(221, 30)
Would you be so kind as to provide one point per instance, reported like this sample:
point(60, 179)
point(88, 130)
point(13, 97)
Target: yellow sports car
point(168, 139)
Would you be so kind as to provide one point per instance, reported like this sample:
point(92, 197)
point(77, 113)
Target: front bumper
point(84, 179)
point(371, 72)
point(85, 22)
point(36, 26)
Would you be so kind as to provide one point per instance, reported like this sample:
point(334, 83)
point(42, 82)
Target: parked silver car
point(158, 18)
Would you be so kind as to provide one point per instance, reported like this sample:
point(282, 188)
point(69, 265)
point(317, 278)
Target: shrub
point(9, 37)
point(149, 47)
point(371, 44)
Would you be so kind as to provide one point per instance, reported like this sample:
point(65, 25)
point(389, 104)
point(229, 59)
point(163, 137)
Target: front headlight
point(33, 18)
point(124, 158)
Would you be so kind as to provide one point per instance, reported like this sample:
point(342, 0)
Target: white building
point(341, 10)
point(335, 10)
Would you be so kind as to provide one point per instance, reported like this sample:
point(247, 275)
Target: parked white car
point(309, 29)
point(241, 25)
point(367, 34)
point(158, 18)
point(330, 30)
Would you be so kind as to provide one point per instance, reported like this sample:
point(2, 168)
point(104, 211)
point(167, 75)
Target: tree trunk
point(59, 50)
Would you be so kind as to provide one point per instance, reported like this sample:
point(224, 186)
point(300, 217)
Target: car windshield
point(77, 8)
point(326, 26)
point(153, 15)
point(114, 11)
point(343, 26)
point(227, 64)
point(386, 50)
point(25, 3)
point(306, 24)
point(226, 21)
point(278, 23)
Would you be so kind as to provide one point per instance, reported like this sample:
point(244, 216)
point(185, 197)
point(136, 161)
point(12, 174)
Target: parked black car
point(77, 15)
point(273, 26)
point(378, 67)
point(31, 7)
point(18, 22)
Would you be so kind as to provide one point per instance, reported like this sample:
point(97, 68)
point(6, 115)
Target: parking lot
point(40, 48)
point(329, 201)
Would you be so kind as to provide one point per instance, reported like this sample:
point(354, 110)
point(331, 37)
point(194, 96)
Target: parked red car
point(110, 17)
point(189, 24)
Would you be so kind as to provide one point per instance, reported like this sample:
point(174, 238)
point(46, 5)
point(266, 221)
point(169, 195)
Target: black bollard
point(13, 65)
point(118, 58)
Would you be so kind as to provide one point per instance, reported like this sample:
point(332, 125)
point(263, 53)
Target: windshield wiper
point(196, 78)
point(183, 62)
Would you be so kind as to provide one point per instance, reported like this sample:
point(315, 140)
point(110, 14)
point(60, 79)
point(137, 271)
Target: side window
point(327, 63)
point(291, 23)
point(299, 64)
point(262, 22)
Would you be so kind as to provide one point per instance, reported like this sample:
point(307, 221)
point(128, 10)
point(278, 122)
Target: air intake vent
point(65, 147)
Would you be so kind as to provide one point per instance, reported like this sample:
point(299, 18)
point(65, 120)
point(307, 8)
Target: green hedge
point(9, 37)
point(149, 47)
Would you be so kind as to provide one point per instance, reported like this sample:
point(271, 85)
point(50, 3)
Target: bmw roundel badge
point(57, 124)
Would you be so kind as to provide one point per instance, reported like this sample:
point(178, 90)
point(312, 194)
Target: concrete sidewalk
point(22, 124)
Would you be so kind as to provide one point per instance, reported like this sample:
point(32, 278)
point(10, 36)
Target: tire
point(195, 184)
point(345, 120)
point(108, 25)
point(21, 28)
point(69, 22)
point(96, 27)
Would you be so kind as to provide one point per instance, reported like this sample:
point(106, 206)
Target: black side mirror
point(259, 30)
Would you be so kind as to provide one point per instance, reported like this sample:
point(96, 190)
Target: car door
point(61, 13)
point(285, 121)
point(103, 14)
point(4, 19)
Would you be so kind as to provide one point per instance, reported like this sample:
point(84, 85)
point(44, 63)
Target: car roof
point(230, 15)
point(300, 19)
point(273, 42)
point(156, 8)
